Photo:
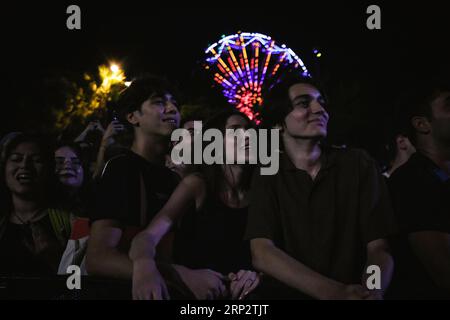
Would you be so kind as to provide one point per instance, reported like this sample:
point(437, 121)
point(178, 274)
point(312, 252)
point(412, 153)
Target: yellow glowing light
point(318, 55)
point(85, 102)
point(115, 68)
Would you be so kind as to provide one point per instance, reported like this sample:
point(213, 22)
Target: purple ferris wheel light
point(246, 65)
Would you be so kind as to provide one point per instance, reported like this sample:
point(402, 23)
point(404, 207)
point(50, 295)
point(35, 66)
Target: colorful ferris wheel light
point(246, 65)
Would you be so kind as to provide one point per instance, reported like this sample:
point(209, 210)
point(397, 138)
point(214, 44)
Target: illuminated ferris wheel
point(246, 65)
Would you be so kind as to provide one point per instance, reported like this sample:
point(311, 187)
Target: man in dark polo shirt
point(135, 185)
point(316, 224)
point(421, 197)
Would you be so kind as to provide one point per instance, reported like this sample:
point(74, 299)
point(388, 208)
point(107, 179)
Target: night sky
point(365, 69)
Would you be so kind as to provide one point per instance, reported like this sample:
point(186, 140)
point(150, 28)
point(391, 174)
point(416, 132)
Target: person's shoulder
point(120, 163)
point(412, 178)
point(350, 152)
point(355, 161)
point(122, 158)
point(406, 172)
point(351, 155)
point(116, 150)
point(194, 180)
point(259, 177)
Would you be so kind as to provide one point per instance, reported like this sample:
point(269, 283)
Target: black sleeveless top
point(213, 239)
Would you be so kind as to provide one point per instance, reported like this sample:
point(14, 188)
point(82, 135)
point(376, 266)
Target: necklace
point(29, 221)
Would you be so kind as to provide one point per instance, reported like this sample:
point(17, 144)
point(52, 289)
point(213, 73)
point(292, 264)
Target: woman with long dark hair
point(74, 183)
point(212, 258)
point(32, 237)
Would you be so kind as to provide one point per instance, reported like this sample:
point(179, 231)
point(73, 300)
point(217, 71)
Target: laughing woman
point(210, 209)
point(32, 237)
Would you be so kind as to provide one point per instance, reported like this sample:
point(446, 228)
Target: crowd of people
point(124, 212)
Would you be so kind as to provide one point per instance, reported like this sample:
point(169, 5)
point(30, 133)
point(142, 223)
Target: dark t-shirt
point(118, 195)
point(214, 239)
point(30, 250)
point(421, 199)
point(324, 223)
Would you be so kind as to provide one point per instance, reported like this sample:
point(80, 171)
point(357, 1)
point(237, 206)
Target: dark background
point(365, 70)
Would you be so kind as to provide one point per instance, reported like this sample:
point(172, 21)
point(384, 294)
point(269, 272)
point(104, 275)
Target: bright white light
point(115, 68)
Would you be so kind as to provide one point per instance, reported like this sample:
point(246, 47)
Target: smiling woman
point(68, 167)
point(32, 236)
point(74, 184)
